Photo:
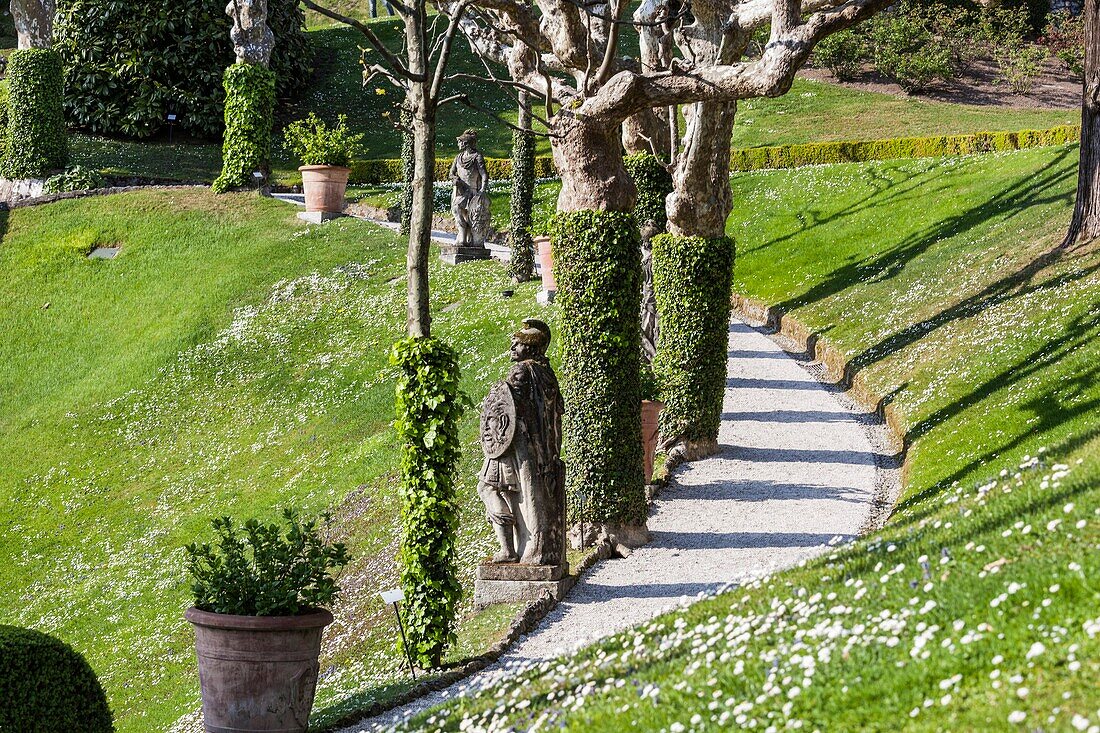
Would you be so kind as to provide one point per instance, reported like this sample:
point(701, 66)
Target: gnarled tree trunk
point(1086, 211)
point(33, 22)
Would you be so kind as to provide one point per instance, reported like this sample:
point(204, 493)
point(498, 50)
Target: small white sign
point(390, 597)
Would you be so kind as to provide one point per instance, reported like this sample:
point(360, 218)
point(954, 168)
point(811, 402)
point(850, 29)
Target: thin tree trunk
point(33, 22)
point(1086, 212)
point(420, 222)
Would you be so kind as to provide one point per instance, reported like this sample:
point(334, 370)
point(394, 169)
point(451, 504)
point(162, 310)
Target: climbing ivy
point(598, 271)
point(36, 139)
point(521, 265)
point(249, 109)
point(654, 184)
point(429, 405)
point(692, 277)
point(408, 169)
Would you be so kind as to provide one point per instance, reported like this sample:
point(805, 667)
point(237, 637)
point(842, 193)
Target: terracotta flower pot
point(651, 411)
point(324, 186)
point(257, 673)
point(546, 261)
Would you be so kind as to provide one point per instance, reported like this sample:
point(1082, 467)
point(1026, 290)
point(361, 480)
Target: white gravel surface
point(796, 473)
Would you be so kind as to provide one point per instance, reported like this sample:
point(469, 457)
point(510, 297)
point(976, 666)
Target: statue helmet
point(534, 333)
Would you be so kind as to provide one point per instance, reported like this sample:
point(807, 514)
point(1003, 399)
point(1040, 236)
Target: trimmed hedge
point(597, 266)
point(47, 687)
point(430, 403)
point(693, 280)
point(937, 146)
point(391, 170)
point(654, 184)
point(130, 64)
point(249, 112)
point(373, 172)
point(521, 265)
point(36, 137)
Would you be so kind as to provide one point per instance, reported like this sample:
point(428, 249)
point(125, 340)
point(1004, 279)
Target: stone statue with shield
point(522, 481)
point(470, 204)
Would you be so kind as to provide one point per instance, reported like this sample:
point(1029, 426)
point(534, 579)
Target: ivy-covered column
point(521, 265)
point(598, 270)
point(654, 183)
point(692, 278)
point(36, 138)
point(249, 97)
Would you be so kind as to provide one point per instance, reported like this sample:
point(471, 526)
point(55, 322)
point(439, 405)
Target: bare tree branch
point(394, 62)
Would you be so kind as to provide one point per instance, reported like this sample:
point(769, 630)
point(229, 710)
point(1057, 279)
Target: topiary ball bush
point(48, 687)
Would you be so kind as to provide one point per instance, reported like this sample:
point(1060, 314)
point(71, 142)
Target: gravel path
point(796, 473)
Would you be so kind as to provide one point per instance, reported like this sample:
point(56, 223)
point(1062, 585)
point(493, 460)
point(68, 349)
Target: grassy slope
point(230, 360)
point(811, 111)
point(979, 602)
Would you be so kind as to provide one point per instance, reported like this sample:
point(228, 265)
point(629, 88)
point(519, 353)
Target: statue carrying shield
point(522, 481)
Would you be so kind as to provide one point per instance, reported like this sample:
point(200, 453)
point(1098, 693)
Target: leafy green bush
point(1020, 65)
point(430, 403)
point(77, 178)
point(906, 50)
point(597, 266)
point(654, 184)
point(315, 143)
point(37, 140)
point(842, 53)
point(692, 279)
point(264, 572)
point(48, 687)
point(521, 265)
point(130, 64)
point(1064, 37)
point(249, 112)
point(3, 119)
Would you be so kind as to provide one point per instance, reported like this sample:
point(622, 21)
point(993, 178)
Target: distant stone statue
point(252, 39)
point(522, 481)
point(470, 200)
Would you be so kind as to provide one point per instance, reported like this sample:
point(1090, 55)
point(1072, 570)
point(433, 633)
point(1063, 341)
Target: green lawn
point(811, 111)
point(230, 360)
point(978, 606)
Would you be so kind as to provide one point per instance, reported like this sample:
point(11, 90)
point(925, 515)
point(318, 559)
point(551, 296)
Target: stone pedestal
point(455, 255)
point(545, 297)
point(511, 582)
point(318, 217)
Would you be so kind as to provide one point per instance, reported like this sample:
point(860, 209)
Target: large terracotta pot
point(324, 187)
point(651, 411)
point(257, 673)
point(546, 261)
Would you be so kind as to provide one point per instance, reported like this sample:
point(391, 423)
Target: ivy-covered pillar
point(249, 97)
point(521, 265)
point(598, 271)
point(654, 183)
point(37, 142)
point(692, 279)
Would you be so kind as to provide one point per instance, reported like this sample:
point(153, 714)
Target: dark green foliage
point(429, 406)
point(249, 113)
point(905, 49)
point(36, 139)
point(654, 184)
point(77, 178)
point(264, 572)
point(314, 142)
point(597, 265)
point(692, 279)
point(842, 53)
point(3, 119)
point(47, 687)
point(130, 64)
point(408, 169)
point(937, 146)
point(521, 266)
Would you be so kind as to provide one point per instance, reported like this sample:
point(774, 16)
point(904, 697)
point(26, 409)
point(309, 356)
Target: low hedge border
point(389, 170)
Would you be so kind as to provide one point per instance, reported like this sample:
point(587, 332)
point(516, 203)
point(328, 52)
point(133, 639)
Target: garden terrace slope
point(229, 360)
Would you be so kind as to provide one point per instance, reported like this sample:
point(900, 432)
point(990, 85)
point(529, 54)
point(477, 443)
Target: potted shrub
point(260, 594)
point(651, 413)
point(326, 154)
